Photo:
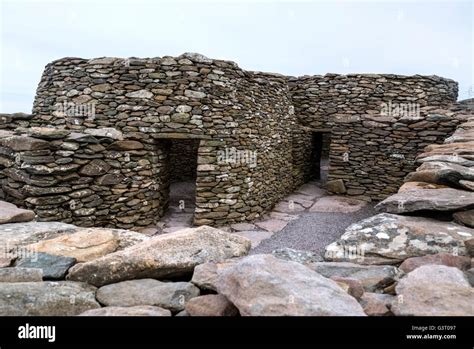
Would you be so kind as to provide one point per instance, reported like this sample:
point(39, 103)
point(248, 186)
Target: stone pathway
point(307, 219)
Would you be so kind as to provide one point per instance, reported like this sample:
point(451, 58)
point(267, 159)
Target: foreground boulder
point(48, 298)
point(9, 213)
point(139, 310)
point(377, 304)
point(168, 295)
point(427, 199)
point(434, 290)
point(438, 172)
point(371, 277)
point(262, 285)
point(390, 239)
point(162, 256)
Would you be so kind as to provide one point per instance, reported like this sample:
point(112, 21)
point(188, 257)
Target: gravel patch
point(313, 231)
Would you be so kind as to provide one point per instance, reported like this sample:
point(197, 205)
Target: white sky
point(288, 37)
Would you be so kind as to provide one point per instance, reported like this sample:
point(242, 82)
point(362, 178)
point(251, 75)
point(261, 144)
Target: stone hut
point(109, 136)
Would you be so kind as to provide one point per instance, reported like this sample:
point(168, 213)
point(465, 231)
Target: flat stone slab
point(288, 207)
point(10, 213)
point(83, 245)
point(372, 277)
point(390, 239)
point(272, 225)
point(339, 204)
point(243, 226)
point(312, 191)
point(21, 234)
point(300, 199)
point(162, 256)
point(255, 236)
point(49, 298)
point(139, 310)
point(53, 267)
point(168, 295)
point(20, 274)
point(465, 217)
point(282, 216)
point(427, 199)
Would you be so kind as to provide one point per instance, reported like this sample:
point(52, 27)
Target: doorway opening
point(180, 171)
point(320, 142)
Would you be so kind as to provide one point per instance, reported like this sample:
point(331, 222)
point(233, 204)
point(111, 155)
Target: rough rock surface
point(53, 267)
point(303, 257)
point(376, 304)
point(162, 256)
point(168, 295)
point(434, 290)
point(427, 199)
point(83, 245)
point(460, 262)
point(389, 239)
point(63, 298)
point(206, 275)
point(9, 213)
point(372, 277)
point(20, 274)
point(465, 217)
point(211, 305)
point(139, 310)
point(20, 234)
point(262, 285)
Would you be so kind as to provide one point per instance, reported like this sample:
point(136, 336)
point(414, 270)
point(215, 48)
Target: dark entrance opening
point(180, 173)
point(320, 156)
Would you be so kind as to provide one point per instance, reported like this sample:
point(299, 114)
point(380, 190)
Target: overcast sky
point(288, 37)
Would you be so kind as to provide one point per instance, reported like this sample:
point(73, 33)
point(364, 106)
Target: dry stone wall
point(378, 123)
point(105, 157)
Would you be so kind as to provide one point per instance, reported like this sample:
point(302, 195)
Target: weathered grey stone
point(21, 234)
point(390, 239)
point(336, 186)
point(20, 274)
point(434, 290)
point(303, 257)
point(427, 199)
point(163, 256)
point(105, 132)
point(168, 295)
point(53, 267)
point(139, 310)
point(262, 285)
point(95, 168)
point(372, 277)
point(63, 298)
